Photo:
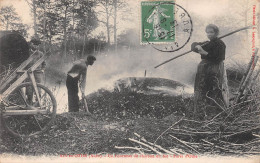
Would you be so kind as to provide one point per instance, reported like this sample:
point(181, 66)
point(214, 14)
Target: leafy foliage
point(11, 21)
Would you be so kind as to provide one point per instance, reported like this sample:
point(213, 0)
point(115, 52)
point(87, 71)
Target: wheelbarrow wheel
point(27, 115)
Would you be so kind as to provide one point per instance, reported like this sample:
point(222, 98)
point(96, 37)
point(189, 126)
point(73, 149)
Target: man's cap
point(35, 41)
point(91, 57)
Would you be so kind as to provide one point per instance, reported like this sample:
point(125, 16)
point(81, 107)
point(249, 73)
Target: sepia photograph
point(129, 81)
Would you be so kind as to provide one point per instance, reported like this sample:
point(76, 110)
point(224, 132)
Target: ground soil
point(116, 116)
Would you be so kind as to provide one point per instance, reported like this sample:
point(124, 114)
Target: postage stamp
point(157, 19)
point(165, 25)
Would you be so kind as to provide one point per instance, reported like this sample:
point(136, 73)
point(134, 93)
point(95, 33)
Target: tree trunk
point(50, 40)
point(83, 48)
point(73, 26)
point(94, 48)
point(99, 47)
point(84, 39)
point(34, 19)
point(44, 25)
point(115, 18)
point(107, 23)
point(7, 25)
point(65, 33)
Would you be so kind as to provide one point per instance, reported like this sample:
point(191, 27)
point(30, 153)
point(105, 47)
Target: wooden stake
point(253, 82)
point(248, 76)
point(246, 72)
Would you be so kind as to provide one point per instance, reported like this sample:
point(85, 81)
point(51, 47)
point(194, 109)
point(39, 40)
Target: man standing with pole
point(77, 74)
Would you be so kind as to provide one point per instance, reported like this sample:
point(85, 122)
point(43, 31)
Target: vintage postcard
point(129, 81)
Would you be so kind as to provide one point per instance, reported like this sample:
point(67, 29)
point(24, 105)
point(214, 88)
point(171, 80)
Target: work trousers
point(73, 98)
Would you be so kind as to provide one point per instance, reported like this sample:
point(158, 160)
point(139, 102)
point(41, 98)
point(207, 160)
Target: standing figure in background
point(210, 87)
point(39, 71)
point(77, 74)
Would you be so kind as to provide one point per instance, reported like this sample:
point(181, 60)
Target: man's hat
point(91, 58)
point(35, 41)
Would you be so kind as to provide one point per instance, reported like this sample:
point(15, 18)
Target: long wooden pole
point(202, 45)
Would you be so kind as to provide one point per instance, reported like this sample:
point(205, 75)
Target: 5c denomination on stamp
point(165, 25)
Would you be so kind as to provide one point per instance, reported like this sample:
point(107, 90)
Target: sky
point(22, 8)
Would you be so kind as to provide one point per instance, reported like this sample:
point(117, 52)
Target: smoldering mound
point(136, 97)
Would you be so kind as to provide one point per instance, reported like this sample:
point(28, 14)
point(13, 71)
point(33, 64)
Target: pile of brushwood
point(234, 130)
point(231, 132)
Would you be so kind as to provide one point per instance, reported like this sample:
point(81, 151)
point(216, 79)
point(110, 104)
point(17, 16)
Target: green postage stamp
point(157, 22)
point(165, 25)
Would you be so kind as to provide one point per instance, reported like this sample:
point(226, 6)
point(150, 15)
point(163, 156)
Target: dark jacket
point(216, 50)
